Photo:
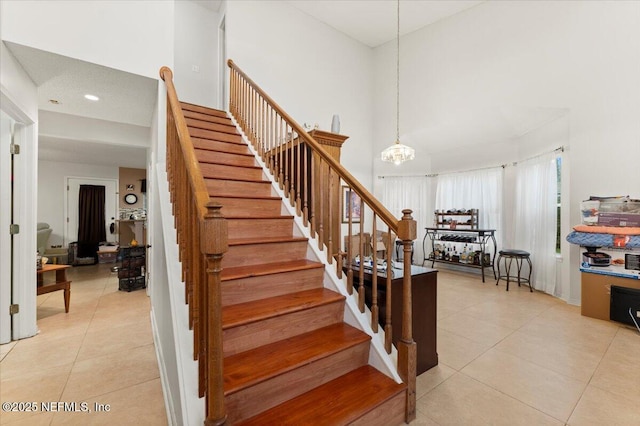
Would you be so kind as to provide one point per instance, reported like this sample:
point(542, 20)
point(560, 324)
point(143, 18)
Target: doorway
point(71, 207)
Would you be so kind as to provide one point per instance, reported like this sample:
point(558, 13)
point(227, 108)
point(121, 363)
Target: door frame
point(89, 181)
point(6, 246)
point(224, 70)
point(22, 286)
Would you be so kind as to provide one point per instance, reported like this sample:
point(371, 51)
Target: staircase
point(289, 358)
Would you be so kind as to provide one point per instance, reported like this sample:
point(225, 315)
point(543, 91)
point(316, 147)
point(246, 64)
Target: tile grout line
point(592, 374)
point(79, 349)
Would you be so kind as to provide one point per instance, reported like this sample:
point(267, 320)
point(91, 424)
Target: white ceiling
point(102, 154)
point(372, 22)
point(375, 22)
point(128, 98)
point(124, 98)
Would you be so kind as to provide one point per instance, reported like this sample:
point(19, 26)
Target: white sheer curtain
point(536, 218)
point(409, 192)
point(478, 189)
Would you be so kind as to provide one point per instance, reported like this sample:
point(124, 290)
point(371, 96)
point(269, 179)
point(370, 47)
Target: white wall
point(578, 57)
point(311, 70)
point(16, 85)
point(196, 45)
point(134, 36)
point(52, 188)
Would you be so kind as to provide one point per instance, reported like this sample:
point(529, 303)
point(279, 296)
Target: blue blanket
point(588, 239)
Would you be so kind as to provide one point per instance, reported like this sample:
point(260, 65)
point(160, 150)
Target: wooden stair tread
point(205, 144)
point(203, 110)
point(223, 152)
point(257, 365)
point(236, 179)
point(253, 197)
point(250, 312)
point(217, 127)
point(208, 117)
point(282, 216)
point(239, 272)
point(264, 240)
point(230, 165)
point(214, 135)
point(340, 401)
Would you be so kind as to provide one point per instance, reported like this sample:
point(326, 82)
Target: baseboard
point(166, 389)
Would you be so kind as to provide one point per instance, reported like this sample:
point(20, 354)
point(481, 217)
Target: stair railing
point(202, 239)
point(311, 180)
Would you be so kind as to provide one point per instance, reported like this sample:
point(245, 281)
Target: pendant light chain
point(398, 78)
point(397, 153)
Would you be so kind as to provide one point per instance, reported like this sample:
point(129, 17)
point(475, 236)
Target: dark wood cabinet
point(424, 283)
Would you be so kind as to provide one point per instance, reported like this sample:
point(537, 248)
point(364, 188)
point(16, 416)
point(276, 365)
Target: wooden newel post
point(407, 350)
point(213, 245)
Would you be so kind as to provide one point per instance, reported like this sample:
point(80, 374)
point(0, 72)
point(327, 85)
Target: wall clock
point(131, 198)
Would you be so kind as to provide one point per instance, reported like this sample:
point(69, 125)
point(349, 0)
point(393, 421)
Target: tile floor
point(506, 358)
point(102, 351)
point(521, 358)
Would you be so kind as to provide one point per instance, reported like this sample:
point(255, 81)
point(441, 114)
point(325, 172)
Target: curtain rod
point(515, 163)
point(394, 176)
point(559, 149)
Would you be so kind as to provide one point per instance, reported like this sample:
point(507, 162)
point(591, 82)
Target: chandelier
point(398, 153)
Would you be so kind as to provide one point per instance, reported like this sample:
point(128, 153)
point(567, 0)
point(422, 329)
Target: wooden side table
point(61, 282)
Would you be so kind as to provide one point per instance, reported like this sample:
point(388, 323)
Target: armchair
point(43, 233)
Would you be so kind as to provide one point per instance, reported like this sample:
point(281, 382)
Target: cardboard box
point(618, 219)
point(596, 293)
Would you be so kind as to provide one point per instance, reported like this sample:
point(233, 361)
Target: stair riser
point(223, 171)
point(252, 207)
point(216, 127)
point(207, 117)
point(256, 254)
point(249, 336)
point(256, 399)
point(225, 158)
point(229, 147)
point(255, 288)
point(258, 228)
point(391, 412)
point(204, 110)
point(233, 187)
point(217, 136)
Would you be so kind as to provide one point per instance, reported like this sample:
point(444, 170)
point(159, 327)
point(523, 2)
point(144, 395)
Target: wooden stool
point(519, 256)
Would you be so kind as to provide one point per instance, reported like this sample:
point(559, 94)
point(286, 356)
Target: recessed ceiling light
point(54, 101)
point(92, 97)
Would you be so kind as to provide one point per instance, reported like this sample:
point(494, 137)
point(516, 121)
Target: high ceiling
point(372, 22)
point(375, 22)
point(128, 99)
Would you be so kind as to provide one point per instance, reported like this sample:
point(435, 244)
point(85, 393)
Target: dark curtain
point(91, 221)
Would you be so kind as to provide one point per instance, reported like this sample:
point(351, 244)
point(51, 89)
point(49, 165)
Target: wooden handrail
point(195, 175)
point(202, 240)
point(382, 212)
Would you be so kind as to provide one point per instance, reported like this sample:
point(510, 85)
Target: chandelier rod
point(398, 78)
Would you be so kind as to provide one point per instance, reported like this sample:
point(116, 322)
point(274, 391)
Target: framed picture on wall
point(350, 205)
